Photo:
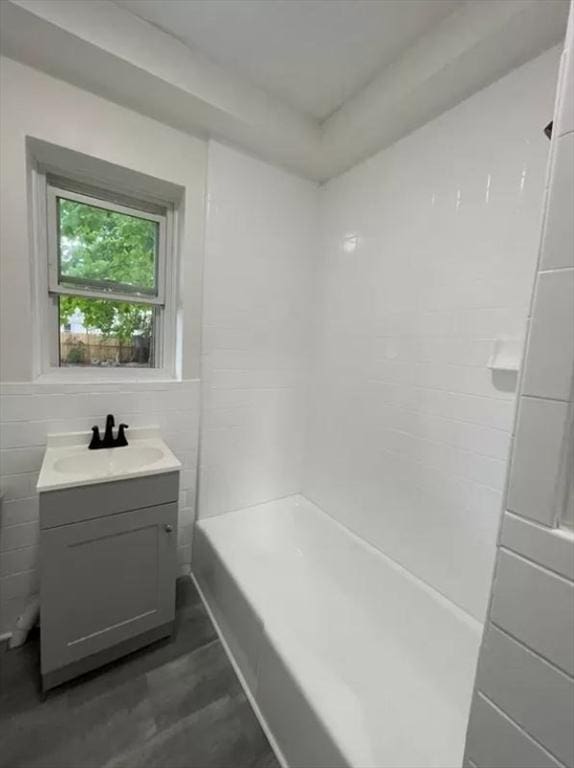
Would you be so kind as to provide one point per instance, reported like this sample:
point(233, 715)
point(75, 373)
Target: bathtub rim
point(206, 537)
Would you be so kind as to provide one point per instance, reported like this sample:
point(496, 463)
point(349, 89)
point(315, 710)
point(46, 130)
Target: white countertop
point(68, 462)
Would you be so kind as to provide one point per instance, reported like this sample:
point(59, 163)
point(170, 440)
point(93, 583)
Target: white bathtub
point(351, 660)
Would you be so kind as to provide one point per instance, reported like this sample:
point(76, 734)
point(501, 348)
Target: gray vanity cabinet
point(107, 572)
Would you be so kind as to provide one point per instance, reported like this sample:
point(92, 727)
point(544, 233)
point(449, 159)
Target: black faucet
point(121, 439)
point(109, 440)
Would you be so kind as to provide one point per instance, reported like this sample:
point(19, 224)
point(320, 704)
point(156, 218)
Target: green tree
point(104, 247)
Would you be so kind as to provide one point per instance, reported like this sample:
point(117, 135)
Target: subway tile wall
point(257, 307)
point(428, 255)
point(523, 706)
point(28, 412)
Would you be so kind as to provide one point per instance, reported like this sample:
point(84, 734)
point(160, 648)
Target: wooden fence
point(95, 349)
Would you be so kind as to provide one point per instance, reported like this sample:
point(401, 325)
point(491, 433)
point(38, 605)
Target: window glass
point(100, 332)
point(106, 249)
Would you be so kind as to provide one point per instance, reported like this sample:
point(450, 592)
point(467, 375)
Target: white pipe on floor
point(24, 623)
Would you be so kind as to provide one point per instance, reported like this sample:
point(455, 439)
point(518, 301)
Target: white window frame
point(50, 287)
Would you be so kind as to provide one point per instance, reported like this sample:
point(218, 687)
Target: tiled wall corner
point(258, 283)
point(409, 430)
point(523, 710)
point(28, 412)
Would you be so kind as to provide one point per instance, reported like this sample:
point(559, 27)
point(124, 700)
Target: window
point(108, 260)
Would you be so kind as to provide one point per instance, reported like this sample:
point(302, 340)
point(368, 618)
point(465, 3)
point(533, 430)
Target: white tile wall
point(557, 250)
point(564, 122)
point(428, 254)
point(497, 742)
point(523, 711)
point(535, 606)
point(552, 548)
point(538, 445)
point(258, 287)
point(28, 412)
point(509, 673)
point(549, 360)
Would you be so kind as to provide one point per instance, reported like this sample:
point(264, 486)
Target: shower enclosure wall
point(345, 367)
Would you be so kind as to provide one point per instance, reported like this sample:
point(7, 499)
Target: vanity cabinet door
point(105, 581)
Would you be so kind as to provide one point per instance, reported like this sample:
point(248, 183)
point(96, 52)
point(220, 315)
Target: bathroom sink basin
point(69, 462)
point(109, 459)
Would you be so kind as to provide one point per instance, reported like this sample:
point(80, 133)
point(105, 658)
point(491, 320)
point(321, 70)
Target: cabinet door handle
point(168, 528)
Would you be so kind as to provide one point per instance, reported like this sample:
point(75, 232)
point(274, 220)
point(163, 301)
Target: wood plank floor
point(176, 704)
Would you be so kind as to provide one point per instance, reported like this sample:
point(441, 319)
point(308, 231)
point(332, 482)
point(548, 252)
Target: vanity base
point(95, 660)
point(107, 583)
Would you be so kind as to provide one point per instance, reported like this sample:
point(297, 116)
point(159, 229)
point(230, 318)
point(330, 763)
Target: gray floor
point(176, 704)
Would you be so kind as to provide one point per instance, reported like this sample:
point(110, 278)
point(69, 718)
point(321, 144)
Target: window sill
point(106, 376)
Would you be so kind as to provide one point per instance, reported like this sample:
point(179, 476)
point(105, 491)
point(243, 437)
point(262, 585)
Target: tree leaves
point(103, 245)
point(110, 318)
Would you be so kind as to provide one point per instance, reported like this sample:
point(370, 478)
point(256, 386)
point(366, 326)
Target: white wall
point(39, 106)
point(33, 104)
point(523, 708)
point(409, 430)
point(258, 288)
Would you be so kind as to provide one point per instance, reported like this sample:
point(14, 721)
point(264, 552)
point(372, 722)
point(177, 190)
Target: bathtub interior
point(376, 654)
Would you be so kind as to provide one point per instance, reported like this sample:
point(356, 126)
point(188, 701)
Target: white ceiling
point(315, 53)
point(311, 54)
